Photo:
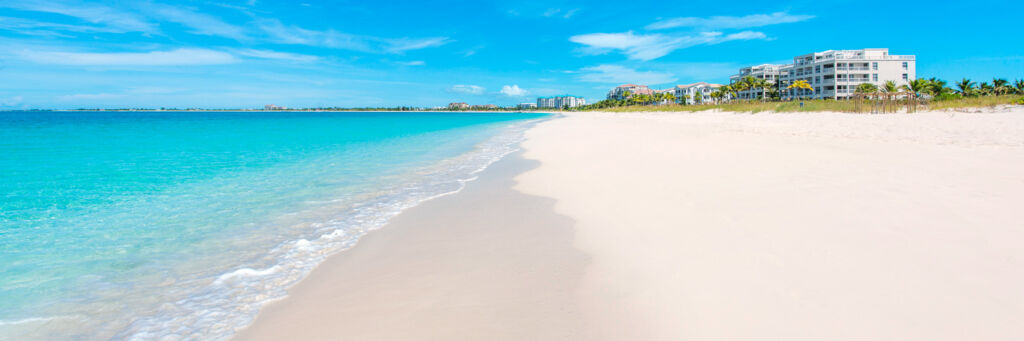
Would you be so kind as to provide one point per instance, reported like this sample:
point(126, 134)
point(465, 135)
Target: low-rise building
point(619, 92)
point(527, 106)
point(458, 106)
point(699, 92)
point(484, 107)
point(772, 73)
point(564, 101)
point(273, 107)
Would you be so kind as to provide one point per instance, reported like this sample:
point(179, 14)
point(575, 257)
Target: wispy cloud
point(616, 74)
point(268, 54)
point(652, 46)
point(10, 101)
point(111, 19)
point(566, 14)
point(154, 58)
point(290, 34)
point(727, 22)
point(467, 89)
point(513, 91)
point(412, 63)
point(405, 44)
point(200, 23)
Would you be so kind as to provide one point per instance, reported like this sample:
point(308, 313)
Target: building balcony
point(856, 68)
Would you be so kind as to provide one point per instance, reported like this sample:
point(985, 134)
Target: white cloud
point(550, 12)
point(727, 22)
point(513, 91)
point(79, 97)
point(412, 63)
point(290, 34)
point(616, 74)
point(652, 46)
point(406, 44)
point(467, 89)
point(268, 54)
point(10, 101)
point(200, 23)
point(154, 58)
point(113, 20)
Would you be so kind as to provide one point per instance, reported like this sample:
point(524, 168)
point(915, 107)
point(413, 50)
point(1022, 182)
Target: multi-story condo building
point(773, 73)
point(619, 93)
point(695, 93)
point(563, 101)
point(835, 74)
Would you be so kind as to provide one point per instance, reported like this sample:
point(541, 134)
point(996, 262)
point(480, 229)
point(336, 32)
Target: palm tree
point(966, 86)
point(717, 95)
point(1019, 86)
point(985, 89)
point(918, 85)
point(748, 83)
point(866, 88)
point(670, 97)
point(764, 85)
point(889, 86)
point(937, 86)
point(800, 84)
point(1000, 86)
point(728, 92)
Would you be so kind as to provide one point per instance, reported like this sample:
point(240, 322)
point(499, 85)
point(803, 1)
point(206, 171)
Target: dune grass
point(819, 105)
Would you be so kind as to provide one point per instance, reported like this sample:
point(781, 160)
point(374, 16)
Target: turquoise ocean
point(181, 225)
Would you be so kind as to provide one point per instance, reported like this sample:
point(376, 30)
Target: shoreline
point(425, 276)
point(699, 226)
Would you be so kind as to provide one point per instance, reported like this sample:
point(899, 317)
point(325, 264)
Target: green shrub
point(948, 97)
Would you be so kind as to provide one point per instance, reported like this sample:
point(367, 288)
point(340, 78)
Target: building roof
point(713, 85)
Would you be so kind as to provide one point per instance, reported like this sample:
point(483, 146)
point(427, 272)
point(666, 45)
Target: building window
point(817, 68)
point(874, 66)
point(817, 80)
point(905, 77)
point(905, 65)
point(874, 77)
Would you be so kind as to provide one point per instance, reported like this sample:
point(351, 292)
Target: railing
point(855, 68)
point(853, 80)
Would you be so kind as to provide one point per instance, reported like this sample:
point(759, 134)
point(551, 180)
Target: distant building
point(769, 72)
point(699, 92)
point(458, 106)
point(564, 101)
point(527, 106)
point(484, 107)
point(619, 93)
point(834, 74)
point(273, 107)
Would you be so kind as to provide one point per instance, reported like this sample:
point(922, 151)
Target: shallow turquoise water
point(139, 224)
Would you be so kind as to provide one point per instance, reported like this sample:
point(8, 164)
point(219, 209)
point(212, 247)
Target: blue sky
point(244, 54)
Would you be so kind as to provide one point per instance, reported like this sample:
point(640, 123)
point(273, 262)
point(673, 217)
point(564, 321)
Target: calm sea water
point(182, 224)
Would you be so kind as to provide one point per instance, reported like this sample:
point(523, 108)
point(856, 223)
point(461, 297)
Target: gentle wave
point(233, 299)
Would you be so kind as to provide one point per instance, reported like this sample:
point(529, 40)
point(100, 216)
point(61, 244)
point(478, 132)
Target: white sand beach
point(700, 226)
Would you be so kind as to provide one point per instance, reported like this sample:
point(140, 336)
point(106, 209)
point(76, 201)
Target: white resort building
point(564, 101)
point(769, 72)
point(834, 74)
point(695, 93)
point(619, 93)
